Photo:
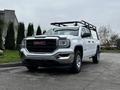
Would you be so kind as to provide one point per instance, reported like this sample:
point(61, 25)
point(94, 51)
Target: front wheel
point(77, 63)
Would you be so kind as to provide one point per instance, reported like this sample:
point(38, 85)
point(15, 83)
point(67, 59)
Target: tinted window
point(85, 30)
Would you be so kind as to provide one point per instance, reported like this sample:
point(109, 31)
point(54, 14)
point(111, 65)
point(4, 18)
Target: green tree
point(30, 30)
point(20, 35)
point(38, 31)
point(1, 41)
point(10, 37)
point(1, 38)
point(118, 43)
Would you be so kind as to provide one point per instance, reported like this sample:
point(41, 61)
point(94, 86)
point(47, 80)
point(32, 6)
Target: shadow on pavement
point(59, 70)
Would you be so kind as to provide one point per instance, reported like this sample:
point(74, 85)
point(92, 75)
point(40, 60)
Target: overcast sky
point(43, 12)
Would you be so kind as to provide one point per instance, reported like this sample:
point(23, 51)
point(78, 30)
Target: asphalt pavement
point(102, 76)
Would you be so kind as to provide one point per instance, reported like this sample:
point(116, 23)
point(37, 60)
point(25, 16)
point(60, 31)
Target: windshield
point(62, 32)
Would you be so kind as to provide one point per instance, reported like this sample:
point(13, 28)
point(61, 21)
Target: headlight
point(23, 43)
point(65, 43)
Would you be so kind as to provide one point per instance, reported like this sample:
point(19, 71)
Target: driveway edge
point(10, 64)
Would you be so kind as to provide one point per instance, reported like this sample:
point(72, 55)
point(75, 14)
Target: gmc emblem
point(39, 43)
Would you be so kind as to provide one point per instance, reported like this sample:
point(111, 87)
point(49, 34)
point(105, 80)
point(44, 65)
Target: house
point(8, 16)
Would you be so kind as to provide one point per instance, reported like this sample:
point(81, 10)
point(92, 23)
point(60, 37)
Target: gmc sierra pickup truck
point(66, 44)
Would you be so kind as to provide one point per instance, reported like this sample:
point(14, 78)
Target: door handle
point(88, 41)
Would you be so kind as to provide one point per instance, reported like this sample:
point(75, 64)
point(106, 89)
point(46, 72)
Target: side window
point(85, 32)
point(88, 31)
point(94, 35)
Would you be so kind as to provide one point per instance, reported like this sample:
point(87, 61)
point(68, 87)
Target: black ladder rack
point(75, 23)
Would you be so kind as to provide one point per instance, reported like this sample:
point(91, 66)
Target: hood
point(67, 36)
point(52, 37)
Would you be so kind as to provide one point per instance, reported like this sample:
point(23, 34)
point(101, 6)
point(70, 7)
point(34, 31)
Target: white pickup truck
point(67, 44)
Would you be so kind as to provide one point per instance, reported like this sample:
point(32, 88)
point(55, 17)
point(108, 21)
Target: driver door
point(86, 39)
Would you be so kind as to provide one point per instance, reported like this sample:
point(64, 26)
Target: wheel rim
point(78, 61)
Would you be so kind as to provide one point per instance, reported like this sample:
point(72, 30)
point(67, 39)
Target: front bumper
point(61, 56)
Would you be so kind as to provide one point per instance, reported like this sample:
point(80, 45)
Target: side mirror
point(86, 35)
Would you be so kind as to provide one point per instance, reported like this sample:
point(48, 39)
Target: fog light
point(63, 56)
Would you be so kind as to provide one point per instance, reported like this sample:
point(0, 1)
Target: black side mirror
point(86, 35)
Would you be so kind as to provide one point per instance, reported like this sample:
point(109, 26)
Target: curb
point(11, 64)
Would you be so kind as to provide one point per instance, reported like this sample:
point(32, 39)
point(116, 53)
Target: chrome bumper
point(62, 56)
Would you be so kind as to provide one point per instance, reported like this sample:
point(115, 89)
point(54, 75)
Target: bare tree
point(113, 39)
point(118, 43)
point(104, 34)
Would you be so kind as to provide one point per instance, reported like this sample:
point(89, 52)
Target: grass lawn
point(110, 51)
point(10, 56)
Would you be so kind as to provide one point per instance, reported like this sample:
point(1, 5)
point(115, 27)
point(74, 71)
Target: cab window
point(85, 32)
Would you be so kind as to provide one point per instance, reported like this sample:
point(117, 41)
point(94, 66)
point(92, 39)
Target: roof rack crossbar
point(90, 26)
point(75, 23)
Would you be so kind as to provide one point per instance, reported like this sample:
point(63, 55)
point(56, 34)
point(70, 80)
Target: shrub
point(44, 31)
point(30, 30)
point(1, 39)
point(20, 35)
point(10, 37)
point(38, 31)
point(118, 43)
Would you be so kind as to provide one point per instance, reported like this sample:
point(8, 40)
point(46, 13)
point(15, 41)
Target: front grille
point(41, 45)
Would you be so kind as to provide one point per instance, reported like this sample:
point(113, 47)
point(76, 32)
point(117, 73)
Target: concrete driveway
point(102, 76)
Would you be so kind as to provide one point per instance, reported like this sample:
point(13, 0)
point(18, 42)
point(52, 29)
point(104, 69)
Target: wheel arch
point(98, 47)
point(80, 48)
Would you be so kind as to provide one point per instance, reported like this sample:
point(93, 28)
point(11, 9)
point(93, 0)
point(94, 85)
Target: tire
point(32, 68)
point(77, 63)
point(96, 58)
